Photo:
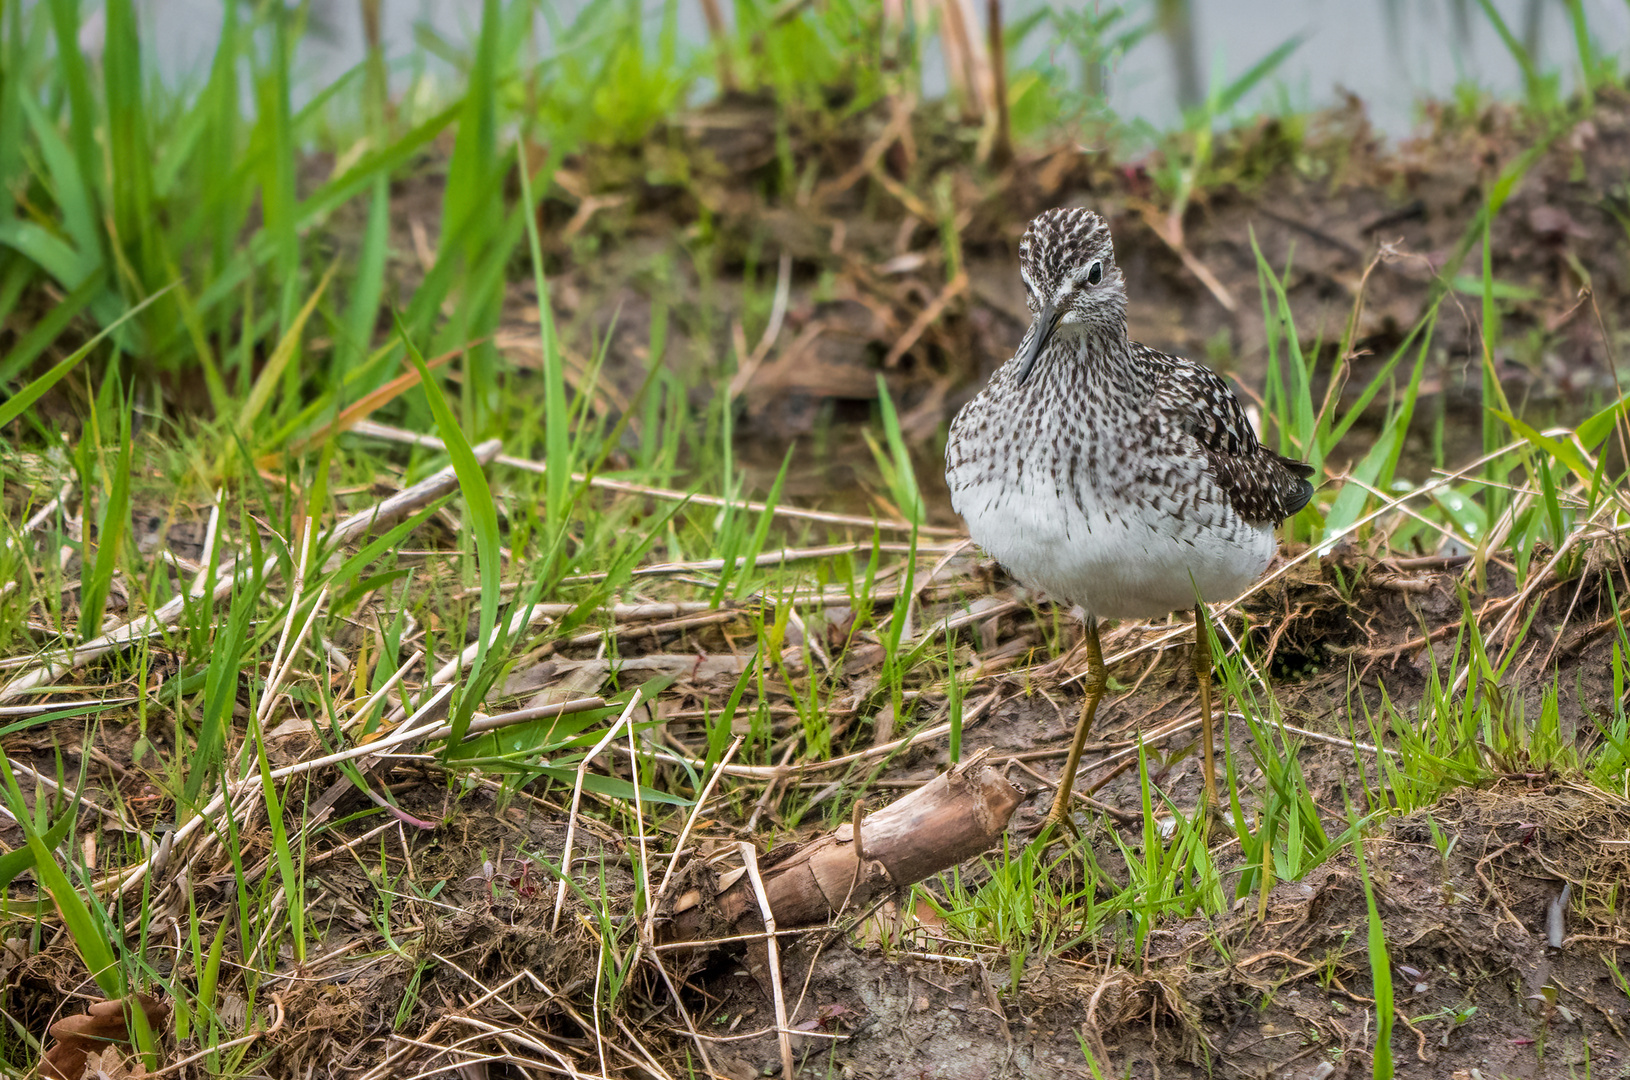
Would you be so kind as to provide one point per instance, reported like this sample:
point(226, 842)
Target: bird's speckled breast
point(1082, 492)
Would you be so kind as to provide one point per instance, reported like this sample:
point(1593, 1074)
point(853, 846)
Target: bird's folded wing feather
point(1261, 485)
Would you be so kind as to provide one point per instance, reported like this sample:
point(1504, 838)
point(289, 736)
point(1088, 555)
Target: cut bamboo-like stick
point(952, 818)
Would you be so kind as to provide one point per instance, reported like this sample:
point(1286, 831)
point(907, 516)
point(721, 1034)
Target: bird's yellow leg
point(1094, 682)
point(1202, 675)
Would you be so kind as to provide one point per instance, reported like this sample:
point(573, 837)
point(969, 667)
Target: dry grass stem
point(387, 512)
point(684, 834)
point(577, 798)
point(385, 431)
point(749, 858)
point(361, 712)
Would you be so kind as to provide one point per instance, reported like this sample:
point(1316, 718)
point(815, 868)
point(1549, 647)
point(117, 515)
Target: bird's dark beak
point(1040, 334)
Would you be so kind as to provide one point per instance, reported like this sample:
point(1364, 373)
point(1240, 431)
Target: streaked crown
point(1068, 264)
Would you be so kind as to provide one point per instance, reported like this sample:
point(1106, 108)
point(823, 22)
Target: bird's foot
point(1053, 826)
point(1217, 825)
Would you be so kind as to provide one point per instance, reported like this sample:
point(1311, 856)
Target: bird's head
point(1070, 279)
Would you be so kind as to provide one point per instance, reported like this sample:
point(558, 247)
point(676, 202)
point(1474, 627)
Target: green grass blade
point(483, 517)
point(293, 889)
point(48, 329)
point(557, 438)
point(230, 650)
point(1380, 972)
point(1377, 466)
point(129, 160)
point(1230, 95)
point(47, 250)
point(15, 863)
point(89, 933)
point(475, 147)
point(286, 349)
point(11, 98)
point(761, 530)
point(367, 288)
point(1295, 416)
point(901, 475)
point(19, 402)
point(110, 534)
point(277, 195)
point(74, 193)
point(75, 74)
point(1525, 61)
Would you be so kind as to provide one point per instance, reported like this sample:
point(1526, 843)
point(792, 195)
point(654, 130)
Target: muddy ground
point(1287, 995)
point(1287, 991)
point(1465, 888)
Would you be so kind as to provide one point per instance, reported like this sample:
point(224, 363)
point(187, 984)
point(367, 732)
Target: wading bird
point(1111, 476)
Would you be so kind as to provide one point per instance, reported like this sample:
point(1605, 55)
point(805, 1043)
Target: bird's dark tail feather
point(1304, 492)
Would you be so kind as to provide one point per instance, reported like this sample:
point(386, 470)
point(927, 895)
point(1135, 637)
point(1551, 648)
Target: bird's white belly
point(1120, 561)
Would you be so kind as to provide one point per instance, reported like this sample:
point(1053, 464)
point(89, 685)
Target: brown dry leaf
point(79, 1038)
point(110, 1064)
point(928, 918)
point(13, 951)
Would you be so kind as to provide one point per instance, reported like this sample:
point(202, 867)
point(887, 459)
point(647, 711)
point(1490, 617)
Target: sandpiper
point(1111, 476)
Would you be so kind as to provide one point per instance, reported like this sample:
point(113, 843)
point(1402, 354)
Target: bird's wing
point(1261, 485)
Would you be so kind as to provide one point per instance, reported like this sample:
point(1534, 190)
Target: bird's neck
point(1100, 354)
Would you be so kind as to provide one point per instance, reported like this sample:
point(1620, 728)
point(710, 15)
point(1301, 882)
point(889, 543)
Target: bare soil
point(1285, 991)
point(1466, 891)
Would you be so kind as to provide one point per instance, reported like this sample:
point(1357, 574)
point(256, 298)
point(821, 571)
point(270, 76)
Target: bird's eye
point(1096, 274)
